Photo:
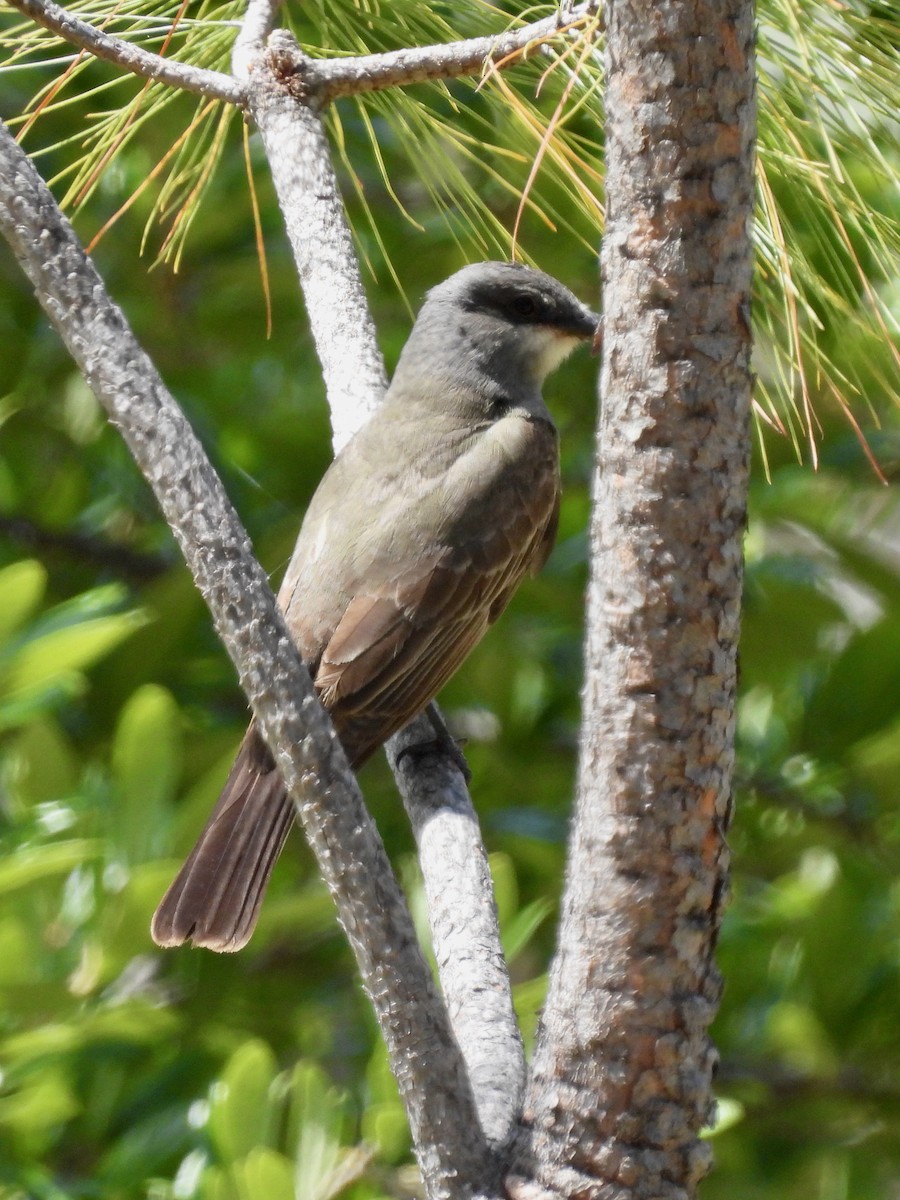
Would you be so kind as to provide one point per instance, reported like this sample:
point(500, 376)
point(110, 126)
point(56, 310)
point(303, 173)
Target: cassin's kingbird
point(413, 544)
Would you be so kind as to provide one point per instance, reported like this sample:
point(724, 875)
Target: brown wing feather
point(391, 653)
point(368, 638)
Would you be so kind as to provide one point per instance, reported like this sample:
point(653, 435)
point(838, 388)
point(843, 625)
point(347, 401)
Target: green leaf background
point(126, 1072)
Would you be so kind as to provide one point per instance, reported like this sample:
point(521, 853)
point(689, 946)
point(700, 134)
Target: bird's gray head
point(499, 328)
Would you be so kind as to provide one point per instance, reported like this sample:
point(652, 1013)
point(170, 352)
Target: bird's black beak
point(584, 325)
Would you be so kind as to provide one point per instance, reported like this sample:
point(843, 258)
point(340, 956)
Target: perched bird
point(413, 544)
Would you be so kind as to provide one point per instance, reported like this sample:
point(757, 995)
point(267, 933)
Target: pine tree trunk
point(622, 1073)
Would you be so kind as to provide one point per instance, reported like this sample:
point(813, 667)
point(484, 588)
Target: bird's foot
point(442, 743)
point(449, 746)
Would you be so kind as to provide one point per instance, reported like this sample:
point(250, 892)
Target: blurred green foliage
point(126, 1072)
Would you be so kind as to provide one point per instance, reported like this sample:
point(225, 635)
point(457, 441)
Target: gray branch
point(307, 189)
point(464, 929)
point(335, 77)
point(129, 57)
point(431, 1074)
point(288, 117)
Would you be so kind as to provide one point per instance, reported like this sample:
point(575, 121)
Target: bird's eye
point(525, 306)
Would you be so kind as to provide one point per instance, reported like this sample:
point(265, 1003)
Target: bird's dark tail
point(215, 898)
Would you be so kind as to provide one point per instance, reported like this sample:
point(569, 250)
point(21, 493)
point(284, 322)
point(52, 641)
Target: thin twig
point(129, 564)
point(335, 77)
point(135, 59)
point(790, 1083)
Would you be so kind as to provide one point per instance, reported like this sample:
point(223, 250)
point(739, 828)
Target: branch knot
point(291, 68)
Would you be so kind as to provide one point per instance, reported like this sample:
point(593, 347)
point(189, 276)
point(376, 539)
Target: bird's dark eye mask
point(515, 304)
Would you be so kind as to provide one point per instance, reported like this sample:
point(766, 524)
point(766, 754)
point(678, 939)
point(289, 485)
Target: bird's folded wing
point(394, 648)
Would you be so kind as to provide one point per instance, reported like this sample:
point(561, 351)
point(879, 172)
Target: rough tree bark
point(620, 1084)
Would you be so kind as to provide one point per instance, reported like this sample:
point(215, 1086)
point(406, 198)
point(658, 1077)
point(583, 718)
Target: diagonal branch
point(351, 857)
point(285, 91)
point(129, 57)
